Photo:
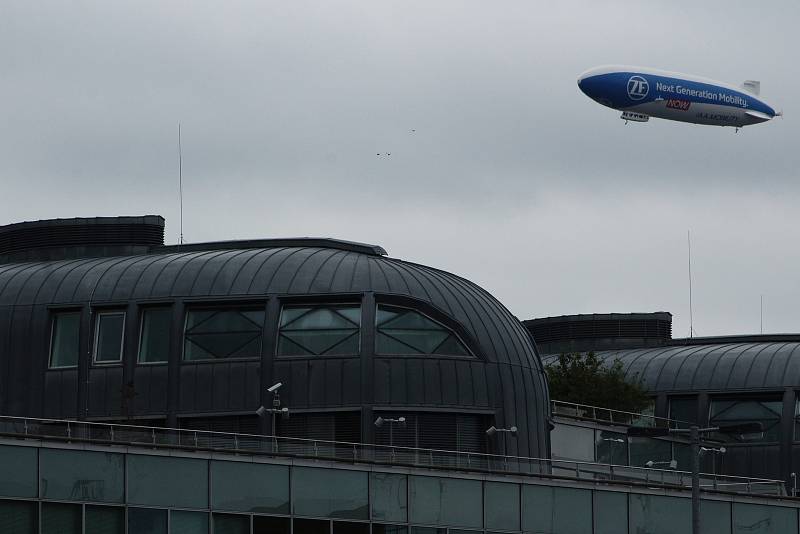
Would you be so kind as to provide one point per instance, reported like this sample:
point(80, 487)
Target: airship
point(640, 93)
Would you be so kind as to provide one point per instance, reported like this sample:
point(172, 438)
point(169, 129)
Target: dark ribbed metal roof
point(287, 270)
point(713, 364)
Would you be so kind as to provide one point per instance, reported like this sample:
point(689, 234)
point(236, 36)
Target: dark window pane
point(226, 333)
point(611, 448)
point(330, 493)
point(147, 521)
point(502, 505)
point(548, 509)
point(154, 340)
point(683, 410)
point(318, 330)
point(181, 522)
point(389, 529)
point(340, 527)
point(167, 481)
point(766, 411)
point(61, 518)
point(644, 450)
point(108, 337)
point(82, 475)
point(271, 525)
point(105, 520)
point(231, 524)
point(18, 517)
point(446, 501)
point(405, 331)
point(655, 514)
point(64, 339)
point(610, 512)
point(715, 517)
point(389, 497)
point(250, 487)
point(18, 468)
point(312, 526)
point(570, 442)
point(428, 530)
point(759, 519)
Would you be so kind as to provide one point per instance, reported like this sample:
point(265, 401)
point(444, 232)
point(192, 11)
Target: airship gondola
point(641, 93)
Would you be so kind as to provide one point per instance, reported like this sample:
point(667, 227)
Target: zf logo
point(637, 88)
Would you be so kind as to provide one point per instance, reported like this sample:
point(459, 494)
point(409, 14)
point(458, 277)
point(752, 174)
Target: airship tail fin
point(752, 86)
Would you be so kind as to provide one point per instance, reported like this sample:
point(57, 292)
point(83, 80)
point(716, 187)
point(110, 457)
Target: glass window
point(223, 333)
point(767, 412)
point(108, 336)
point(154, 335)
point(683, 410)
point(405, 331)
point(271, 525)
point(446, 501)
point(64, 340)
point(167, 481)
point(231, 524)
point(181, 522)
point(501, 502)
point(18, 468)
point(389, 529)
point(341, 527)
point(147, 521)
point(312, 526)
point(61, 518)
point(250, 487)
point(317, 330)
point(428, 530)
point(654, 514)
point(644, 450)
point(389, 494)
point(82, 475)
point(760, 519)
point(330, 493)
point(570, 442)
point(611, 447)
point(105, 520)
point(610, 512)
point(18, 517)
point(715, 517)
point(557, 510)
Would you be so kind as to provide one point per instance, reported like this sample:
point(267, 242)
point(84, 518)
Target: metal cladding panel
point(105, 391)
point(502, 346)
point(61, 394)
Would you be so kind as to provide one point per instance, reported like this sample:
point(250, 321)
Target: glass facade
point(181, 495)
point(746, 410)
point(154, 335)
point(222, 333)
point(108, 336)
point(64, 339)
point(18, 468)
point(319, 330)
point(683, 410)
point(405, 331)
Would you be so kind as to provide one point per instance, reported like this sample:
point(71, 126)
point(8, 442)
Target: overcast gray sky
point(513, 178)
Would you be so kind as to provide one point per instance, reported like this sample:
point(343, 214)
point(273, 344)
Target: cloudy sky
point(500, 169)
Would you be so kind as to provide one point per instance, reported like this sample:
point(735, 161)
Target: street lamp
point(612, 441)
point(672, 464)
point(694, 433)
point(276, 407)
point(380, 421)
point(492, 430)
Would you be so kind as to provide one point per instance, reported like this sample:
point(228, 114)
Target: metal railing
point(613, 417)
point(200, 440)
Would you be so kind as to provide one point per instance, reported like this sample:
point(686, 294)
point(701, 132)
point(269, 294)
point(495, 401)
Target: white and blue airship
point(641, 93)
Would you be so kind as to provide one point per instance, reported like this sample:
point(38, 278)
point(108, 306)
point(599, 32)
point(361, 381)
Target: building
point(410, 400)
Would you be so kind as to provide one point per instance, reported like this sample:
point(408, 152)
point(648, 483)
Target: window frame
point(223, 307)
point(320, 304)
point(96, 338)
point(143, 310)
point(444, 323)
point(53, 315)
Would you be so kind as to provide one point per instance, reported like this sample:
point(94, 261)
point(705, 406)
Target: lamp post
point(492, 430)
point(380, 421)
point(613, 441)
point(694, 433)
point(275, 410)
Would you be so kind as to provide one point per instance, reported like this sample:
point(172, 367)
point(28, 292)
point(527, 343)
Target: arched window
point(406, 331)
point(320, 330)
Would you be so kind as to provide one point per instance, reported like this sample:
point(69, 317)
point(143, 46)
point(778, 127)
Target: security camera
point(491, 431)
point(275, 388)
point(649, 463)
point(261, 411)
point(285, 412)
point(379, 422)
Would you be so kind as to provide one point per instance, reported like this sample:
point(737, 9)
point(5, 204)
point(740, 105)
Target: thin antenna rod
point(762, 314)
point(180, 180)
point(691, 318)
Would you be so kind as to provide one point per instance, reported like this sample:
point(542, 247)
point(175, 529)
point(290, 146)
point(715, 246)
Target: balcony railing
point(613, 417)
point(200, 440)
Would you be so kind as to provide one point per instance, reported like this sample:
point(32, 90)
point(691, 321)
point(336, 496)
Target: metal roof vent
point(57, 239)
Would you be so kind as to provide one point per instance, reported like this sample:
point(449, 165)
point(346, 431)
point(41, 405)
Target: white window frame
point(97, 322)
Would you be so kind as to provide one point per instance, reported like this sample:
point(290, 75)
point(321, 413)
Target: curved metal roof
point(283, 270)
point(719, 364)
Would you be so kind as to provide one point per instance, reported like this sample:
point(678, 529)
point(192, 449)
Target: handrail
point(188, 439)
point(615, 417)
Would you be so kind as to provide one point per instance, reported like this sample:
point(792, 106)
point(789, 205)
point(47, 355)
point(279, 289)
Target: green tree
point(585, 379)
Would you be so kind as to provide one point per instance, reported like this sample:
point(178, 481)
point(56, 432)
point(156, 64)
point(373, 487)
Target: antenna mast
point(180, 180)
point(691, 318)
point(762, 314)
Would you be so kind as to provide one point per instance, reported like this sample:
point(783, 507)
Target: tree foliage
point(585, 379)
